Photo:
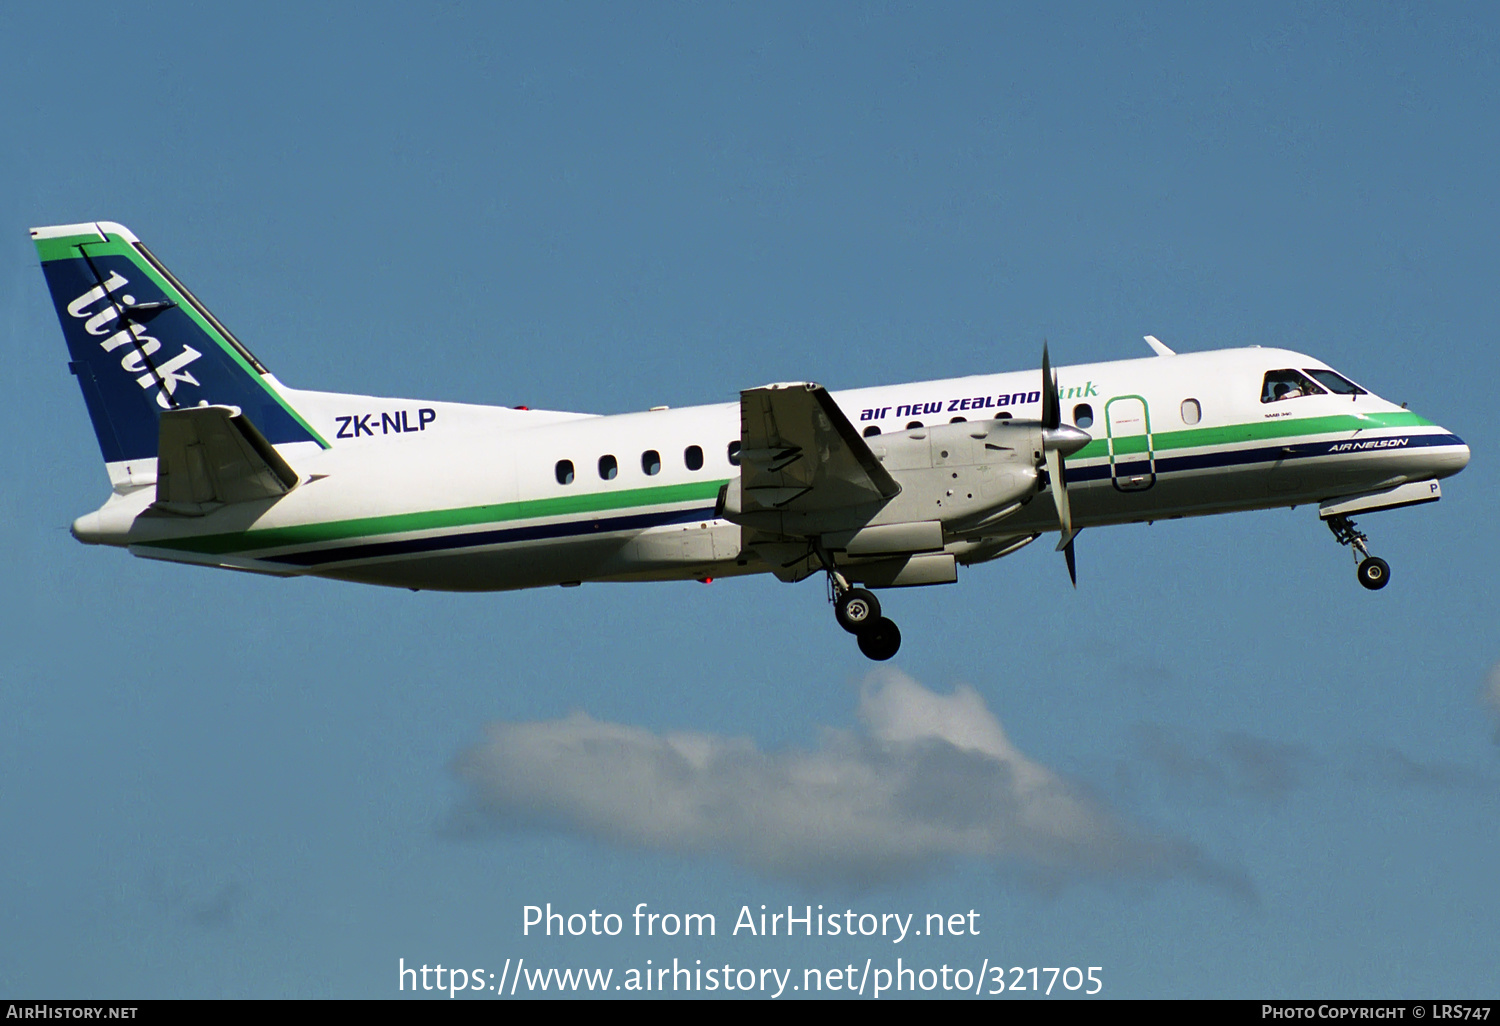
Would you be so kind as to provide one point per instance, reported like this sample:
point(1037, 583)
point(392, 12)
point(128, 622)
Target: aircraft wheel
point(1374, 573)
point(880, 640)
point(856, 610)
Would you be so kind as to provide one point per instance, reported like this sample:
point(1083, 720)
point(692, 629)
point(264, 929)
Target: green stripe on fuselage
point(598, 502)
point(468, 516)
point(1233, 434)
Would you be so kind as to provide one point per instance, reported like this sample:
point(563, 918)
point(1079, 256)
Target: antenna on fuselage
point(1157, 347)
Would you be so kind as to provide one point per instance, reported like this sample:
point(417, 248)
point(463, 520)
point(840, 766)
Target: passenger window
point(1083, 415)
point(734, 453)
point(913, 425)
point(872, 431)
point(1191, 411)
point(693, 457)
point(564, 472)
point(959, 420)
point(1287, 384)
point(608, 468)
point(1003, 415)
point(651, 462)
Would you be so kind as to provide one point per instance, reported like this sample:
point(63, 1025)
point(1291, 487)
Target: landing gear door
point(1132, 458)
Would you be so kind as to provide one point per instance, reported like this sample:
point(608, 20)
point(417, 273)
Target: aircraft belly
point(675, 547)
point(704, 549)
point(503, 568)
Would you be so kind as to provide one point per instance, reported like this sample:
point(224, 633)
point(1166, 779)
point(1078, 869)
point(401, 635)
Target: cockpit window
point(1287, 384)
point(1336, 383)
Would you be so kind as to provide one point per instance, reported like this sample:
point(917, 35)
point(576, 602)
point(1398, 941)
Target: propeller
point(1059, 441)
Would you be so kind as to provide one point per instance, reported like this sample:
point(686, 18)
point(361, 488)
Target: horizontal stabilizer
point(212, 456)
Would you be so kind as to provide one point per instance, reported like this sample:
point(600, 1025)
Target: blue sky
point(222, 785)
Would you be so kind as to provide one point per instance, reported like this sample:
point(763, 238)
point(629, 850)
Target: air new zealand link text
point(852, 979)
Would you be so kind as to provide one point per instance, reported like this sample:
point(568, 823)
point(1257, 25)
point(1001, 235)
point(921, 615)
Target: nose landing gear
point(1374, 573)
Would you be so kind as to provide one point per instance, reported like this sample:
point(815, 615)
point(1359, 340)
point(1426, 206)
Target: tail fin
point(141, 343)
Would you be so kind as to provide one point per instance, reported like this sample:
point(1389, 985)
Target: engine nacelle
point(963, 474)
point(956, 480)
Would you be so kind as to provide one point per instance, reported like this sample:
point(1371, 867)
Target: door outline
point(1133, 482)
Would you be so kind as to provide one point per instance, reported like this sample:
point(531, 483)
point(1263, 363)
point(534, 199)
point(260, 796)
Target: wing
point(211, 456)
point(800, 454)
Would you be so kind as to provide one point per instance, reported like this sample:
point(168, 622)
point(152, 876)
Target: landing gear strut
point(1374, 573)
point(858, 612)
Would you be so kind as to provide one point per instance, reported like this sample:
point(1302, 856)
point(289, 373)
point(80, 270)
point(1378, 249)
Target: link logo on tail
point(141, 343)
point(102, 311)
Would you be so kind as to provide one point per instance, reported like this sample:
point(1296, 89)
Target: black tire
point(856, 610)
point(1374, 573)
point(880, 640)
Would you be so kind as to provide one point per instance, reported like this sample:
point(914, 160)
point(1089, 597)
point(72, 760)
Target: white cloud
point(1490, 696)
point(1233, 763)
point(1491, 693)
point(1386, 765)
point(930, 778)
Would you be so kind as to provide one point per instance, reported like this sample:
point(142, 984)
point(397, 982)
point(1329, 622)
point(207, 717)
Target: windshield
point(1336, 383)
point(1287, 384)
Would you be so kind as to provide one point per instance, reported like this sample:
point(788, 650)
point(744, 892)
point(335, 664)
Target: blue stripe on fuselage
point(644, 521)
point(1263, 454)
point(500, 536)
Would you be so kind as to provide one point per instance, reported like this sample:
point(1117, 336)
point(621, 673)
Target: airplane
point(213, 461)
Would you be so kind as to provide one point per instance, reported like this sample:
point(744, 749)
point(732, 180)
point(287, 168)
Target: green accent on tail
point(67, 248)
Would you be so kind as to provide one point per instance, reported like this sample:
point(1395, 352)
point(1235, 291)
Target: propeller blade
point(1051, 405)
point(1058, 442)
point(1060, 497)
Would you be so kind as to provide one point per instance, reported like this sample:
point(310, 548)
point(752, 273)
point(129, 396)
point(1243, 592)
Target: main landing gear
point(858, 612)
point(1374, 573)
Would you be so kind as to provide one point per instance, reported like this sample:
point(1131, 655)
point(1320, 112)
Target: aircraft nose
point(1451, 458)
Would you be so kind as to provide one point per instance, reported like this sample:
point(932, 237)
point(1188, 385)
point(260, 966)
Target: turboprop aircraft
point(213, 461)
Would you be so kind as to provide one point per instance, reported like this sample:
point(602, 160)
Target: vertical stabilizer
point(140, 343)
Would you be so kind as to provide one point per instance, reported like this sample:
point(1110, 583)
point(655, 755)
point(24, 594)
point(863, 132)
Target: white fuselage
point(433, 495)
